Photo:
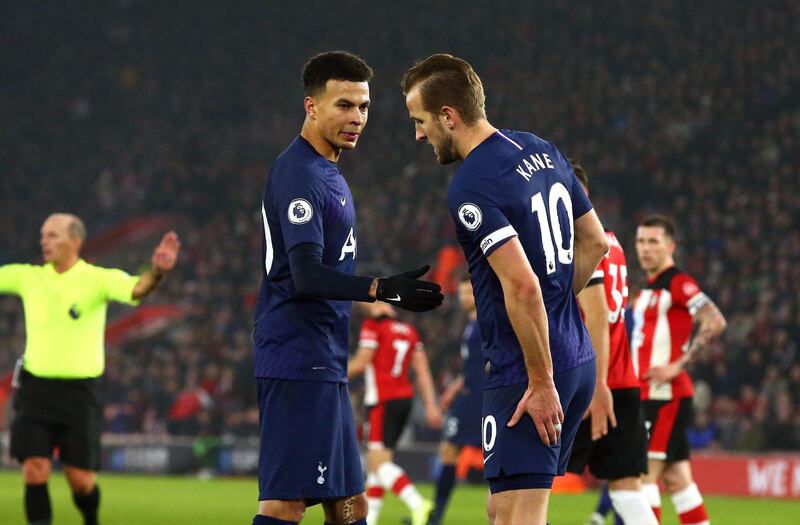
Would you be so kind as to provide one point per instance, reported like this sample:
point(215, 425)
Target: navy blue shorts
point(462, 426)
point(516, 458)
point(309, 448)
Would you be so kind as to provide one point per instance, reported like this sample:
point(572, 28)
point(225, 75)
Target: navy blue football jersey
point(515, 184)
point(306, 200)
point(472, 356)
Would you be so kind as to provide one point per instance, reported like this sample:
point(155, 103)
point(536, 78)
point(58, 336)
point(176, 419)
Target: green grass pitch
point(168, 500)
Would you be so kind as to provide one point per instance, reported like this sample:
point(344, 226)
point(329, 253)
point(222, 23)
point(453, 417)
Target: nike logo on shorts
point(396, 298)
point(487, 458)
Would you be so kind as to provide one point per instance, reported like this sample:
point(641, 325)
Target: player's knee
point(448, 453)
point(36, 470)
point(80, 481)
point(346, 511)
point(288, 510)
point(675, 479)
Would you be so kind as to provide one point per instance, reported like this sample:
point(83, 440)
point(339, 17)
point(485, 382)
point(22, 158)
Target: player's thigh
point(668, 423)
point(521, 507)
point(622, 453)
point(395, 420)
point(514, 458)
point(309, 449)
point(575, 390)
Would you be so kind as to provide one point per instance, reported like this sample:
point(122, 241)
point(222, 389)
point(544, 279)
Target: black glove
point(405, 291)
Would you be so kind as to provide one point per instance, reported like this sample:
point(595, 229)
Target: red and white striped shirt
point(612, 272)
point(662, 326)
point(386, 376)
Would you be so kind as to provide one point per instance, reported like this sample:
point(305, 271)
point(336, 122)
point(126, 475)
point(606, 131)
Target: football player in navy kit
point(532, 241)
point(309, 451)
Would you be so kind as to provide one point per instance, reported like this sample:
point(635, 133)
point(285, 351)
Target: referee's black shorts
point(622, 453)
point(58, 413)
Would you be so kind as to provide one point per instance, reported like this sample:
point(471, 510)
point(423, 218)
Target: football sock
point(689, 506)
point(604, 504)
point(618, 519)
point(37, 504)
point(653, 498)
point(88, 505)
point(444, 487)
point(393, 478)
point(269, 520)
point(374, 498)
point(633, 507)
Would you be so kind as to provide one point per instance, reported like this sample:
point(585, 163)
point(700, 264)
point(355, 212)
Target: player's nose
point(420, 136)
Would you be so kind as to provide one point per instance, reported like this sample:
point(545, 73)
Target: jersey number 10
point(552, 238)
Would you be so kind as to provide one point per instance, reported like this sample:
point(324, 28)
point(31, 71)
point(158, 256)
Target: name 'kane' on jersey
point(306, 200)
point(517, 184)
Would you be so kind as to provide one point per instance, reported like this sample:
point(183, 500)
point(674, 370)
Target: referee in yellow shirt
point(58, 403)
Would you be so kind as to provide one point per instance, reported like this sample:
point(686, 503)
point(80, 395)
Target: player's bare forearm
point(595, 310)
point(711, 323)
point(590, 247)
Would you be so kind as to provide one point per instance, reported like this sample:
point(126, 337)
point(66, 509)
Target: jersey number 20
point(552, 238)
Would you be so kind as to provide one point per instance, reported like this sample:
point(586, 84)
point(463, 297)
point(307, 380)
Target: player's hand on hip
point(664, 374)
point(406, 291)
point(166, 253)
point(601, 410)
point(542, 404)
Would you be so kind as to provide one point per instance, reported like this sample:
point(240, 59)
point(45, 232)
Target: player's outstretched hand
point(544, 406)
point(166, 253)
point(406, 291)
point(601, 410)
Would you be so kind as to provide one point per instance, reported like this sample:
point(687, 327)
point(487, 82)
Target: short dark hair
point(333, 65)
point(661, 221)
point(583, 178)
point(446, 80)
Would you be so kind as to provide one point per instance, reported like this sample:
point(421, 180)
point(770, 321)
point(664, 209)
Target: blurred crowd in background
point(133, 108)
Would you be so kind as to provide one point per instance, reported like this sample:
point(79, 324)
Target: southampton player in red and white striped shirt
point(387, 348)
point(665, 313)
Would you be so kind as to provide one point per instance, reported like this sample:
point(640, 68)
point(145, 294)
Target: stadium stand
point(129, 111)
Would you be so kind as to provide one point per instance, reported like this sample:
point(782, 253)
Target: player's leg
point(376, 455)
point(390, 475)
point(650, 485)
point(446, 480)
point(347, 511)
point(686, 496)
point(622, 458)
point(521, 507)
point(280, 512)
point(309, 449)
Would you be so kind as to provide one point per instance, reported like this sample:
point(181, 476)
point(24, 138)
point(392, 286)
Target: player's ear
point(449, 116)
point(310, 105)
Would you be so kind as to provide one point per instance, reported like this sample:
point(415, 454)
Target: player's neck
point(669, 263)
point(320, 145)
point(472, 136)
